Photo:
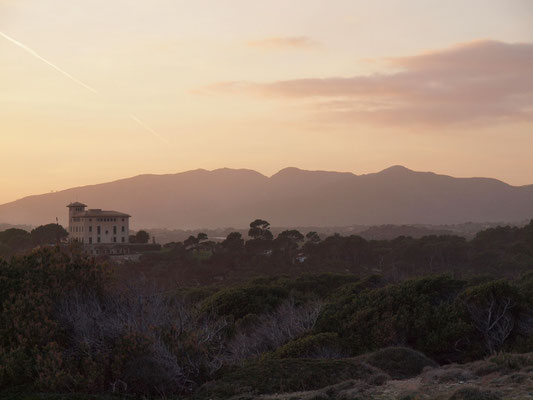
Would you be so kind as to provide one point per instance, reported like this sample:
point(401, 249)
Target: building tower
point(74, 208)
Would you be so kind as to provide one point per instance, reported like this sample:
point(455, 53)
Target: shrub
point(145, 342)
point(471, 393)
point(319, 285)
point(399, 362)
point(447, 375)
point(30, 338)
point(287, 375)
point(513, 362)
point(269, 331)
point(241, 301)
point(419, 313)
point(321, 345)
point(494, 310)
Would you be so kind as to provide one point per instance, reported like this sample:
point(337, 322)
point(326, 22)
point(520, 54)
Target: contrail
point(76, 80)
point(143, 124)
point(34, 53)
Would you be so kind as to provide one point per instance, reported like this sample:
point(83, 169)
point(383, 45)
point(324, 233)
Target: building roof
point(77, 204)
point(96, 213)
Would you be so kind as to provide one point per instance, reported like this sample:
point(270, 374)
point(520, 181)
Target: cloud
point(276, 43)
point(482, 81)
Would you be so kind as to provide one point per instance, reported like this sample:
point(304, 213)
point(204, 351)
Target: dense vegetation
point(322, 312)
point(505, 252)
point(14, 240)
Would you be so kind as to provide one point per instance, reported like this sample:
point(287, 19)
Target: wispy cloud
point(276, 43)
point(483, 81)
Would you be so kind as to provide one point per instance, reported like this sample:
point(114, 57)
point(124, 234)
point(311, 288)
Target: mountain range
point(292, 197)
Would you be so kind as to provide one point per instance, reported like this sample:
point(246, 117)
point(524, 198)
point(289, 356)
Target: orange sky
point(337, 85)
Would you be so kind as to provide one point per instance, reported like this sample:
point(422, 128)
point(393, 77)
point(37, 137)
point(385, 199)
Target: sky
point(94, 91)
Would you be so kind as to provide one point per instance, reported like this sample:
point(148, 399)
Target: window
point(114, 230)
point(123, 229)
point(114, 239)
point(98, 239)
point(90, 240)
point(107, 232)
point(98, 229)
point(122, 219)
point(123, 239)
point(90, 228)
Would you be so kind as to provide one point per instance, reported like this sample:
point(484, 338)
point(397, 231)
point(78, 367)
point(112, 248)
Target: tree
point(312, 237)
point(260, 229)
point(201, 237)
point(233, 243)
point(142, 237)
point(48, 234)
point(288, 243)
point(194, 242)
point(191, 242)
point(13, 241)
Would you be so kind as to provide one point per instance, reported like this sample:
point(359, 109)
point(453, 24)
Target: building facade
point(96, 226)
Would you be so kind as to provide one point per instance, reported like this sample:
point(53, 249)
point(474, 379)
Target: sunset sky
point(107, 89)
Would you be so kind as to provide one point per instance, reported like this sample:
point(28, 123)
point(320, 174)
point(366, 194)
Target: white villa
point(96, 226)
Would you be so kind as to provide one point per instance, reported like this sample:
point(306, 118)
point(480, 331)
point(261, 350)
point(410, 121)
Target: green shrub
point(241, 301)
point(419, 313)
point(399, 362)
point(319, 285)
point(494, 308)
point(287, 375)
point(30, 337)
point(321, 345)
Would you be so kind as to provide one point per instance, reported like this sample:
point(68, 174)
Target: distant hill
point(292, 197)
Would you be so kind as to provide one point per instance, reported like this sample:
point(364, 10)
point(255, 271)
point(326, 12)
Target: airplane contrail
point(34, 53)
point(149, 129)
point(76, 80)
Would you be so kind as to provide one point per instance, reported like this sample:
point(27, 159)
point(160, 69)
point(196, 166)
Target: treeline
point(502, 251)
point(15, 241)
point(64, 327)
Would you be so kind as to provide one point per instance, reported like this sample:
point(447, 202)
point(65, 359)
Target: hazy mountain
point(292, 197)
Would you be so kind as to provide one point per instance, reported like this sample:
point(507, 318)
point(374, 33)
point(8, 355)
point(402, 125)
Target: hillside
point(292, 197)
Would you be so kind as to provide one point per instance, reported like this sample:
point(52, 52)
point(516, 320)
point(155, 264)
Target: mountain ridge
point(221, 197)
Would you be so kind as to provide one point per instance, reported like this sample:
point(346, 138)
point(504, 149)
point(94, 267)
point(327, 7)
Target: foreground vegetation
point(70, 324)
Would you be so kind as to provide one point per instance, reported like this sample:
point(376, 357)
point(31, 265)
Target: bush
point(513, 362)
point(494, 309)
point(447, 375)
point(269, 331)
point(399, 362)
point(31, 339)
point(471, 393)
point(321, 345)
point(319, 285)
point(287, 375)
point(419, 313)
point(241, 301)
point(145, 343)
